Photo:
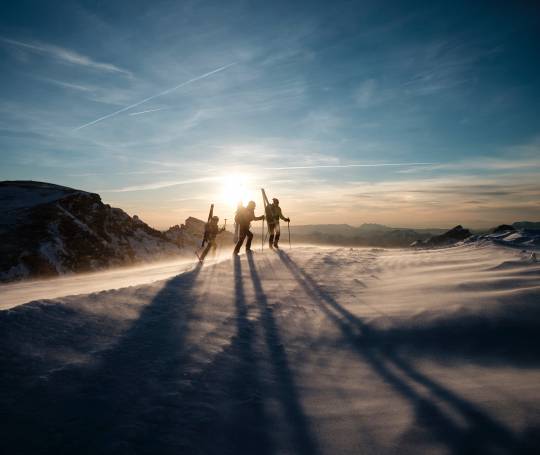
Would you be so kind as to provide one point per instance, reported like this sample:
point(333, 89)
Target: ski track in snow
point(313, 350)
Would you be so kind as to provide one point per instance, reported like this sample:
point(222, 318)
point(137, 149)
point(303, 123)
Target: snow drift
point(313, 350)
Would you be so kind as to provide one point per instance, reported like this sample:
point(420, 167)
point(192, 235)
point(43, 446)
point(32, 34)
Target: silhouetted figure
point(244, 217)
point(211, 232)
point(273, 215)
point(236, 235)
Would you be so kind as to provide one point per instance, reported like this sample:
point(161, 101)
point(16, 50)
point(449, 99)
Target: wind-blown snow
point(314, 350)
point(14, 294)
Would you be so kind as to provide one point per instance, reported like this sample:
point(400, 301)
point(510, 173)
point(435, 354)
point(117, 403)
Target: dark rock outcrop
point(454, 235)
point(503, 228)
point(191, 233)
point(49, 230)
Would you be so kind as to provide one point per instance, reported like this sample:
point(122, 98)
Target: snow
point(53, 250)
point(528, 238)
point(310, 350)
point(14, 294)
point(18, 195)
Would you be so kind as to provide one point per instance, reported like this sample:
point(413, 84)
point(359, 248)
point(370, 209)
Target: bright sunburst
point(235, 190)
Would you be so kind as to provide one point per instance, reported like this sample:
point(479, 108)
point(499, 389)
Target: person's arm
point(282, 217)
point(257, 218)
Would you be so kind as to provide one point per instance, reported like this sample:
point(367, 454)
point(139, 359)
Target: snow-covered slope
point(313, 350)
point(505, 234)
point(522, 238)
point(49, 230)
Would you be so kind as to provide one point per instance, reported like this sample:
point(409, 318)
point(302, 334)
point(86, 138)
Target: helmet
point(215, 218)
point(275, 200)
point(251, 204)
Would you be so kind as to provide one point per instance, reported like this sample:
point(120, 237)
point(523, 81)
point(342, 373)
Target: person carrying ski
point(211, 232)
point(244, 217)
point(239, 209)
point(273, 215)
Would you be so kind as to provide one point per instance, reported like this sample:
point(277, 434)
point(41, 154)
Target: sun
point(234, 190)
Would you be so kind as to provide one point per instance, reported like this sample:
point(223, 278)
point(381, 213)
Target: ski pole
point(289, 229)
point(262, 235)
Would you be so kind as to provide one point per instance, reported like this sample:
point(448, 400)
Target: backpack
point(271, 214)
point(240, 215)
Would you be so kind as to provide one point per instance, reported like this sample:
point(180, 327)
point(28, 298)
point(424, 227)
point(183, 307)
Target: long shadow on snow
point(508, 335)
point(301, 437)
point(224, 412)
point(121, 404)
point(483, 434)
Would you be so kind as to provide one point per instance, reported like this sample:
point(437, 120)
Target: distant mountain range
point(364, 235)
point(384, 236)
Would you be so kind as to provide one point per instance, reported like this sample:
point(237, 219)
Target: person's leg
point(214, 248)
point(241, 238)
point(271, 228)
point(205, 251)
point(276, 238)
point(249, 235)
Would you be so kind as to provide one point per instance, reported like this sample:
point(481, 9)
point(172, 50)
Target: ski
point(210, 215)
point(266, 210)
point(267, 213)
point(236, 225)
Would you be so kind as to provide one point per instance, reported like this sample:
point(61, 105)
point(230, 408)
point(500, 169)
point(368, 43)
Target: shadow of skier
point(225, 407)
point(120, 402)
point(302, 439)
point(483, 434)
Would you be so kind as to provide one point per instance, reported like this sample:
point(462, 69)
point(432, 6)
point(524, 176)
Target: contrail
point(149, 110)
point(325, 166)
point(159, 185)
point(124, 109)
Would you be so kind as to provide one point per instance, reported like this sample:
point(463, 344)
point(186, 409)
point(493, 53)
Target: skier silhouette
point(273, 215)
point(244, 217)
point(211, 232)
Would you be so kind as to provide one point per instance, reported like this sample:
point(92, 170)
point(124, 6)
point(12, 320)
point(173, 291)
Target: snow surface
point(14, 197)
point(313, 350)
point(14, 294)
point(522, 238)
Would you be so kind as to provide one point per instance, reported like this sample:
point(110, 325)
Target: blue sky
point(434, 104)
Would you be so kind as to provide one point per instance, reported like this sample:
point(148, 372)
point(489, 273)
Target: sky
point(404, 113)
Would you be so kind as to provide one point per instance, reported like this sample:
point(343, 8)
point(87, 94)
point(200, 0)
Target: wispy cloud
point(366, 94)
point(473, 200)
point(324, 166)
point(69, 85)
point(160, 184)
point(165, 92)
point(148, 111)
point(492, 165)
point(65, 55)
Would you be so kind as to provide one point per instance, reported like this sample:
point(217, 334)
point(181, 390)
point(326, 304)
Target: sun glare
point(235, 190)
